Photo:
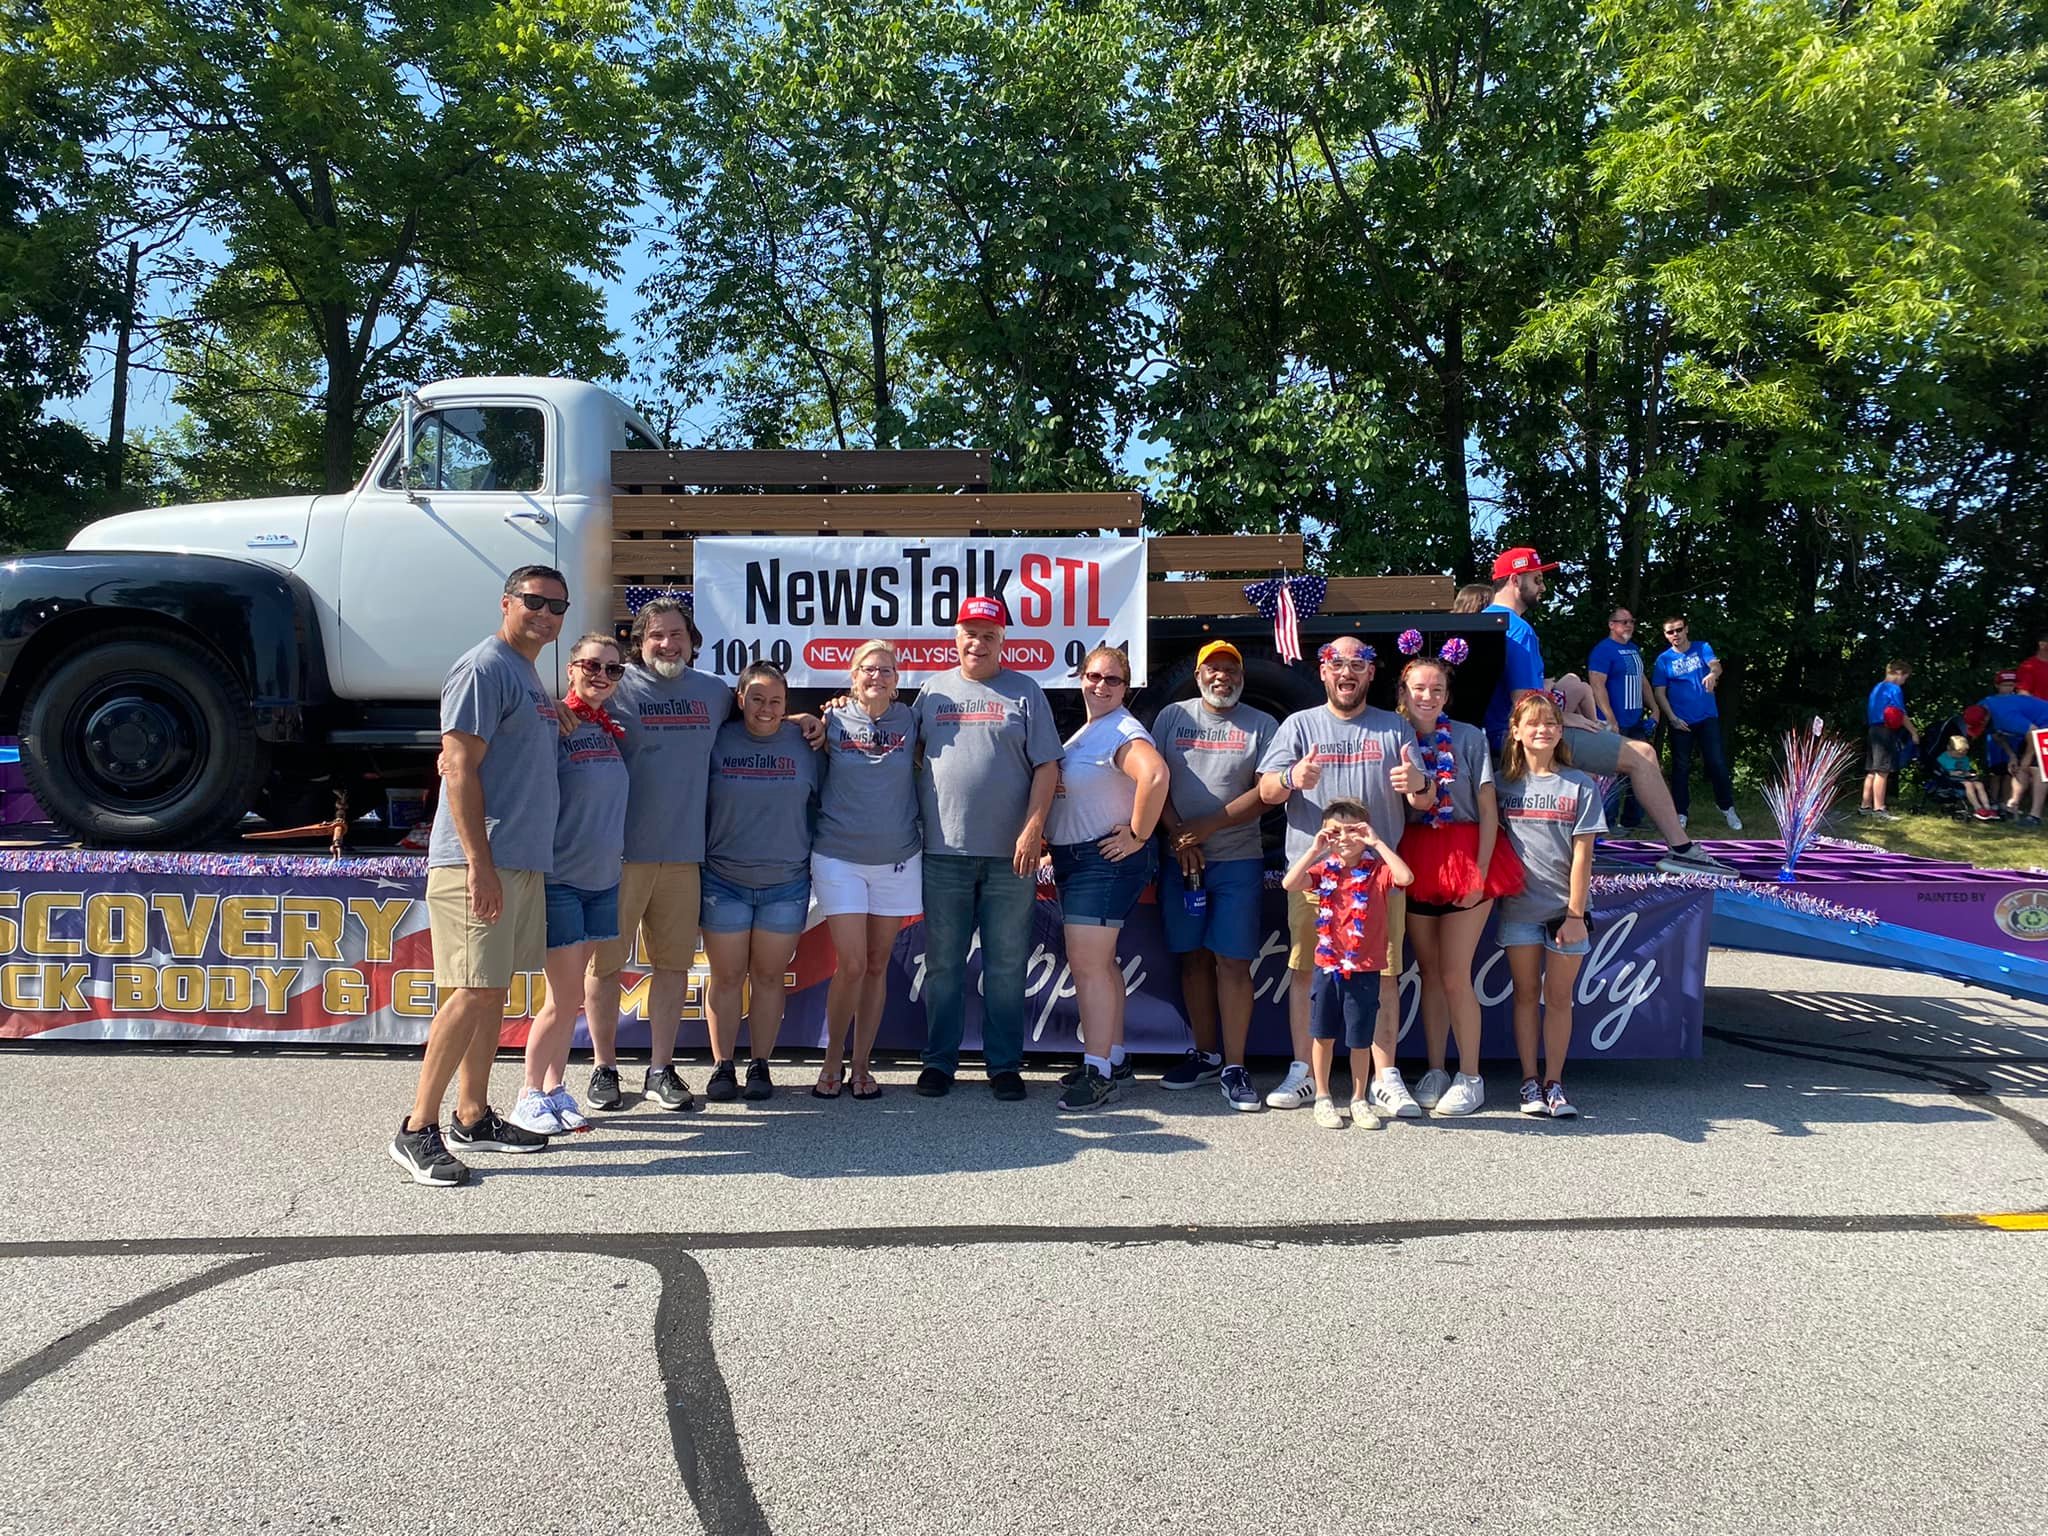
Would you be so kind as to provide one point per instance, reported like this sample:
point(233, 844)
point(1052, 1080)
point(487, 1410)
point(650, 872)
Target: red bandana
point(594, 713)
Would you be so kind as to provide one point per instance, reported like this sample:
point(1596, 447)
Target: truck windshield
point(475, 448)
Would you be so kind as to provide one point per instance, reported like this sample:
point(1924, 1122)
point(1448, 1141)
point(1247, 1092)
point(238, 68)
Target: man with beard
point(1518, 588)
point(1212, 885)
point(1344, 749)
point(990, 763)
point(671, 713)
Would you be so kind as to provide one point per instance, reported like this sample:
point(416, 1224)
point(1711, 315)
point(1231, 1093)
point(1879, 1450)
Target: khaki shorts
point(1303, 910)
point(468, 953)
point(661, 904)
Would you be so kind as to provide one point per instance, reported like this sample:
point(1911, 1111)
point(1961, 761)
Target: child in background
point(1957, 764)
point(1350, 871)
point(1888, 721)
point(1551, 813)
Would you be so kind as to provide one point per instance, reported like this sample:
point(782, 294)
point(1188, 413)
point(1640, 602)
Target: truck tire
point(142, 738)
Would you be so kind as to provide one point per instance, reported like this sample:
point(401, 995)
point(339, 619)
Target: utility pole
point(117, 427)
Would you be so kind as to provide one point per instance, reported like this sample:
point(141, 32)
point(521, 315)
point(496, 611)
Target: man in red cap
point(990, 759)
point(1518, 588)
point(2032, 674)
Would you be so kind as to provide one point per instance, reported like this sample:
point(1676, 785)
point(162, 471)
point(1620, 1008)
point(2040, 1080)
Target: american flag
point(1286, 627)
point(1286, 601)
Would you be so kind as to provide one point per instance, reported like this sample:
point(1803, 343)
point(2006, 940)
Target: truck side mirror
point(408, 409)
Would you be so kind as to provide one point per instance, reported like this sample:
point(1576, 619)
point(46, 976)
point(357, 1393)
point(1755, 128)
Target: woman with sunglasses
point(583, 886)
point(1112, 789)
point(867, 862)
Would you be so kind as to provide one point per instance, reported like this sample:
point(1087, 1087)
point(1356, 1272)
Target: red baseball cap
point(984, 610)
point(1518, 562)
point(1894, 716)
point(2009, 675)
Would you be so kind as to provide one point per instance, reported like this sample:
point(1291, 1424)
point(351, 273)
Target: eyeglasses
point(611, 669)
point(1624, 623)
point(1104, 679)
point(875, 671)
point(535, 602)
point(1347, 664)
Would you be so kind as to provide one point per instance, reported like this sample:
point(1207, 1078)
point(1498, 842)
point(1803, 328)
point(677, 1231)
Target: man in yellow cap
point(1211, 886)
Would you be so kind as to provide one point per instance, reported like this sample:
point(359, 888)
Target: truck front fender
point(258, 619)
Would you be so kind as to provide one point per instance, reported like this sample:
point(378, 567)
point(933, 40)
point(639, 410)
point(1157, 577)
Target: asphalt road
point(1753, 1293)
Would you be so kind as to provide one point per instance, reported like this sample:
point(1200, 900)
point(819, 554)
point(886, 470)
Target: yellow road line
point(2016, 1221)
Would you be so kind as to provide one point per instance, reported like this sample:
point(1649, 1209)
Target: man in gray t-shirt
point(989, 762)
point(1212, 883)
point(1344, 749)
point(487, 861)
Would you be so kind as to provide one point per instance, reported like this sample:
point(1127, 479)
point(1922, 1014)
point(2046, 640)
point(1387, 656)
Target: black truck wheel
point(1269, 684)
point(142, 739)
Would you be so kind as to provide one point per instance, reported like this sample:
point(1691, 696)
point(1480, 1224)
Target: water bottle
point(1194, 900)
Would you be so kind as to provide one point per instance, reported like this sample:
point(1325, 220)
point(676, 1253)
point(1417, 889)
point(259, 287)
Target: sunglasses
point(1676, 629)
point(535, 602)
point(611, 669)
point(1103, 679)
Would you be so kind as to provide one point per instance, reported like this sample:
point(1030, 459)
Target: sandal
point(865, 1086)
point(818, 1090)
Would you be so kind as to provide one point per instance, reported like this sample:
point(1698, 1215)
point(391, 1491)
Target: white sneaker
point(1734, 821)
point(534, 1113)
point(1297, 1089)
point(563, 1103)
point(1466, 1093)
point(1364, 1117)
point(1431, 1087)
point(1327, 1116)
point(1391, 1099)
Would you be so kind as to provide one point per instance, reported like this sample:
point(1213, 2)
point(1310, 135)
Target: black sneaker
point(934, 1084)
point(1007, 1086)
point(603, 1092)
point(723, 1085)
point(422, 1154)
point(494, 1133)
point(1119, 1072)
point(1091, 1090)
point(1191, 1071)
point(759, 1084)
point(666, 1087)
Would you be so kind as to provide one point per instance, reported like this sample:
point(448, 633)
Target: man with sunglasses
point(1518, 588)
point(489, 856)
point(1686, 676)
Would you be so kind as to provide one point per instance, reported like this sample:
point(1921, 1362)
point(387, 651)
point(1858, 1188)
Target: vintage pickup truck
point(177, 667)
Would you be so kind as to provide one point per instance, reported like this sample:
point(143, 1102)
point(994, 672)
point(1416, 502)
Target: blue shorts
point(1236, 889)
point(577, 916)
point(1344, 1007)
point(1096, 892)
point(1511, 934)
point(731, 908)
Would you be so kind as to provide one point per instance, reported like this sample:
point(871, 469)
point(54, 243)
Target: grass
point(1932, 834)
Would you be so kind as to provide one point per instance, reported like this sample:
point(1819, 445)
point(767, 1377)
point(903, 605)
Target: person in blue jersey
point(1518, 588)
point(1687, 681)
point(1621, 696)
point(2014, 717)
point(1887, 727)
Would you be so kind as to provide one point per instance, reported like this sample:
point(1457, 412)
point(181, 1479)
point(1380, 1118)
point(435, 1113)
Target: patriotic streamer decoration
point(1443, 766)
point(1287, 600)
point(1340, 915)
point(1809, 778)
point(639, 597)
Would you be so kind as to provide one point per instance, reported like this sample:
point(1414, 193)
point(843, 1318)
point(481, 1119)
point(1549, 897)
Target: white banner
point(806, 604)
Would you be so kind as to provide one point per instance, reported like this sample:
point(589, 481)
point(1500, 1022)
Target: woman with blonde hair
point(867, 864)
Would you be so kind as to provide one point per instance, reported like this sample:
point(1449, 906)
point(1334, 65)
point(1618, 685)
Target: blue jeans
point(962, 894)
point(1706, 735)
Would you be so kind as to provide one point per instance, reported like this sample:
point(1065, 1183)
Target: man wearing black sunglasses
point(491, 850)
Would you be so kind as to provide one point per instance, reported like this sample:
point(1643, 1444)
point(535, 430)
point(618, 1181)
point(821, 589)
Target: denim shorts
point(731, 908)
point(1236, 889)
point(1511, 934)
point(577, 916)
point(1096, 892)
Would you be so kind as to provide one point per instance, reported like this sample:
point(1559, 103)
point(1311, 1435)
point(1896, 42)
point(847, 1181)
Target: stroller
point(1937, 786)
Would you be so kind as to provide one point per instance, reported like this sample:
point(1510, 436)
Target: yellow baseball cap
point(1218, 648)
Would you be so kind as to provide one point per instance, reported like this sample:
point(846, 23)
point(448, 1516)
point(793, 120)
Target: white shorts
point(880, 890)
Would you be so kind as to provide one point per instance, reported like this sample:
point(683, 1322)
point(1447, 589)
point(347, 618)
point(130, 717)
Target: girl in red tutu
point(1461, 864)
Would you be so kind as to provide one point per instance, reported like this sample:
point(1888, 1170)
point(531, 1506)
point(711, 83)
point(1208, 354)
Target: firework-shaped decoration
point(1455, 651)
point(1409, 642)
point(1810, 776)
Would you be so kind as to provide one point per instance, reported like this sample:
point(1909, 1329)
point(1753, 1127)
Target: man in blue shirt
point(1886, 719)
point(1518, 586)
point(1620, 697)
point(2015, 717)
point(1685, 678)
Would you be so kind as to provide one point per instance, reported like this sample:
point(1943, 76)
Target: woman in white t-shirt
point(1112, 788)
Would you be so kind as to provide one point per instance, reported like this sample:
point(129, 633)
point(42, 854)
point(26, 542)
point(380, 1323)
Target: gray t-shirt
point(1541, 814)
point(980, 744)
point(1357, 756)
point(1212, 759)
point(493, 692)
point(590, 827)
point(1094, 797)
point(867, 811)
point(1475, 767)
point(761, 813)
point(670, 723)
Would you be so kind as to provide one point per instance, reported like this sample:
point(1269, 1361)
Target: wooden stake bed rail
point(718, 466)
point(1254, 554)
point(855, 512)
